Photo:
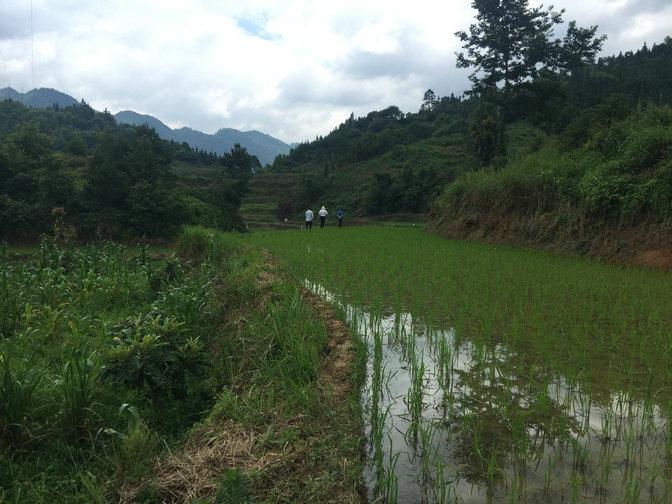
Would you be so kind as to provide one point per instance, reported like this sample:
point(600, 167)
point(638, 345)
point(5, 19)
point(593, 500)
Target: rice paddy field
point(497, 374)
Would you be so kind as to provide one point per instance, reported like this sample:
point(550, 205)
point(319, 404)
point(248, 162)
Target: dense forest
point(110, 180)
point(562, 100)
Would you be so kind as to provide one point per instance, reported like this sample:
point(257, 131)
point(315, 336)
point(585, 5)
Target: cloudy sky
point(290, 68)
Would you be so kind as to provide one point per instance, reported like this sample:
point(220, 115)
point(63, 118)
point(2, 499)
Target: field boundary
point(193, 471)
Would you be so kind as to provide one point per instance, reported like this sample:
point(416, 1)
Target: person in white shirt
point(323, 216)
point(309, 219)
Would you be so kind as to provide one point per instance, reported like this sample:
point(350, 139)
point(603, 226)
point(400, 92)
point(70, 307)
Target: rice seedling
point(541, 375)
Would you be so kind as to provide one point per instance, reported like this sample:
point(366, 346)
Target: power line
point(32, 46)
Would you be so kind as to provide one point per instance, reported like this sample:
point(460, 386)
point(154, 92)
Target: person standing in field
point(339, 215)
point(309, 219)
point(323, 216)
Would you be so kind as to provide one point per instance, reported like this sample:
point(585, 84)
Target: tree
point(429, 101)
point(240, 165)
point(580, 47)
point(508, 44)
point(512, 43)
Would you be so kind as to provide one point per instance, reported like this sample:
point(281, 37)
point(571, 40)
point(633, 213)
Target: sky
point(290, 68)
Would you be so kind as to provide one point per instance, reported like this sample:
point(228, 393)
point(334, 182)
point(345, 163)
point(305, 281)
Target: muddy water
point(454, 421)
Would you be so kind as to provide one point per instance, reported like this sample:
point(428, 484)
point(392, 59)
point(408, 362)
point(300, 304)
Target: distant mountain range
point(264, 146)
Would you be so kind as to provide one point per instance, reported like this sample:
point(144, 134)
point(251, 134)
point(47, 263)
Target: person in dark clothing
point(339, 215)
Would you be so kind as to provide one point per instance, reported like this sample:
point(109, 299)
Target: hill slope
point(492, 166)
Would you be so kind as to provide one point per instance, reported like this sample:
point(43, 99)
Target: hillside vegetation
point(598, 181)
point(110, 180)
point(572, 149)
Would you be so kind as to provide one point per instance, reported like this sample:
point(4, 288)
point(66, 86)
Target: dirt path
point(337, 365)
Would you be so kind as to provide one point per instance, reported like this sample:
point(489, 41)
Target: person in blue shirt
point(339, 215)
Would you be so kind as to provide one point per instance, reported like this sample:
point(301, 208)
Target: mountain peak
point(38, 98)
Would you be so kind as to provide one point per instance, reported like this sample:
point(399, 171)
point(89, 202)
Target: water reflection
point(450, 420)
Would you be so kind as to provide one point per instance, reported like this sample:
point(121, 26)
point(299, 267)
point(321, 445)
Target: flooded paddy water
point(448, 419)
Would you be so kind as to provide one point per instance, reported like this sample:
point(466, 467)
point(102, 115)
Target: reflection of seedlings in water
point(414, 399)
point(606, 453)
point(378, 428)
point(575, 481)
point(476, 422)
point(426, 431)
point(442, 490)
point(498, 422)
point(580, 454)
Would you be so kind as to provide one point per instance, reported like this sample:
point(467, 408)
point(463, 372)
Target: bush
point(155, 353)
point(199, 244)
point(624, 171)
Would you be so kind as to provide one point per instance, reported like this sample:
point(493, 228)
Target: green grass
point(550, 342)
point(112, 356)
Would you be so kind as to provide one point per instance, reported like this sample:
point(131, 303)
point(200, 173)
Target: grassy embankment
point(127, 377)
point(607, 196)
point(554, 384)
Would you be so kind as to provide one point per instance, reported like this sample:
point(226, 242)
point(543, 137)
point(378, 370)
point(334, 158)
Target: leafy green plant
point(155, 352)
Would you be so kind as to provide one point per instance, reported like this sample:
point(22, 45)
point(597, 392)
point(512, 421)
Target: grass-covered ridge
point(114, 360)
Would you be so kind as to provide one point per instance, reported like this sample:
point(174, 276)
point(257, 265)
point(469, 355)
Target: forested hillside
point(563, 131)
point(111, 180)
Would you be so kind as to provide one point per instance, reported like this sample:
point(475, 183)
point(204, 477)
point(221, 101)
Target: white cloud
point(291, 68)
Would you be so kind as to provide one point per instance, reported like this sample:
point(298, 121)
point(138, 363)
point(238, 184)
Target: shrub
point(199, 244)
point(154, 352)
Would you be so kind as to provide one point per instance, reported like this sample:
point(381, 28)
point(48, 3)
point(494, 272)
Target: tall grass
point(17, 399)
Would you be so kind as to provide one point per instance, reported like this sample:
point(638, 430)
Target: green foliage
point(105, 325)
point(157, 353)
point(232, 488)
point(620, 172)
point(202, 244)
point(18, 387)
point(113, 180)
point(512, 42)
point(139, 444)
point(78, 386)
